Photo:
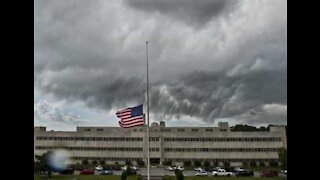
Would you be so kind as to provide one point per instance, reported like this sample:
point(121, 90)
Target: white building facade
point(175, 144)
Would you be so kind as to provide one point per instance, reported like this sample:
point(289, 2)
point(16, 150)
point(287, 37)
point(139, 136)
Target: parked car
point(67, 171)
point(201, 173)
point(244, 173)
point(198, 169)
point(221, 172)
point(180, 168)
point(99, 168)
point(107, 172)
point(169, 168)
point(268, 173)
point(284, 171)
point(135, 168)
point(237, 169)
point(87, 172)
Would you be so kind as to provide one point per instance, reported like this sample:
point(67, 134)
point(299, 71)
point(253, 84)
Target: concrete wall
point(161, 133)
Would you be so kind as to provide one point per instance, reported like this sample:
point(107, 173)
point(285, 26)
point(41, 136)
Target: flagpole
point(148, 142)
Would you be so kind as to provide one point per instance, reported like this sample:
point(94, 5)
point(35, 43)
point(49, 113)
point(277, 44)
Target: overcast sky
point(209, 61)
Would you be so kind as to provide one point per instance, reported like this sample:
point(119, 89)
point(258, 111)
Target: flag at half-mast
point(131, 117)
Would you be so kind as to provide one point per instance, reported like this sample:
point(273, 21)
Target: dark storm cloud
point(192, 12)
point(234, 67)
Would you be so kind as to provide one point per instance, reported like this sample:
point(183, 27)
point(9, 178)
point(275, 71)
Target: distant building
point(175, 144)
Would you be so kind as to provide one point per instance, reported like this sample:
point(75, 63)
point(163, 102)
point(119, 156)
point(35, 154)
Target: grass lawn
point(98, 177)
point(232, 178)
point(82, 177)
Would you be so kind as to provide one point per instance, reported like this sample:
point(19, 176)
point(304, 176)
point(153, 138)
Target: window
point(209, 130)
point(180, 130)
point(195, 130)
point(99, 129)
point(87, 129)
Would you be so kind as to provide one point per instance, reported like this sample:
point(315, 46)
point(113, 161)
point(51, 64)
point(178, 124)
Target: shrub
point(140, 163)
point(167, 163)
point(179, 175)
point(166, 177)
point(85, 162)
point(273, 164)
point(253, 164)
point(102, 162)
point(197, 163)
point(262, 164)
point(226, 164)
point(124, 175)
point(187, 163)
point(94, 162)
point(206, 164)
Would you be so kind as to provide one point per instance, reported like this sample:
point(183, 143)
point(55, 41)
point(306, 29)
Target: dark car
point(244, 173)
point(67, 171)
point(268, 173)
point(87, 172)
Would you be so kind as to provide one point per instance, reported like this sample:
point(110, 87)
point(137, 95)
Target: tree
point(262, 164)
point(226, 164)
point(197, 163)
point(128, 163)
point(245, 164)
point(94, 162)
point(187, 163)
point(102, 162)
point(140, 163)
point(216, 163)
point(167, 163)
point(273, 164)
point(42, 163)
point(283, 158)
point(124, 175)
point(179, 174)
point(85, 162)
point(253, 164)
point(206, 164)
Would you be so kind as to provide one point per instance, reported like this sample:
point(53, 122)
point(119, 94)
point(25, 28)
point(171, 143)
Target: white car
point(169, 168)
point(99, 168)
point(201, 173)
point(221, 172)
point(135, 168)
point(124, 168)
point(238, 169)
point(198, 169)
point(180, 168)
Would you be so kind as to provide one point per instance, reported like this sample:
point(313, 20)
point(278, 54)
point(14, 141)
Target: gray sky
point(209, 61)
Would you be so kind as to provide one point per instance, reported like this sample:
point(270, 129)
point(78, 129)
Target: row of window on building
point(90, 148)
point(94, 148)
point(90, 138)
point(164, 130)
point(247, 139)
point(71, 148)
point(106, 158)
point(221, 160)
point(174, 159)
point(224, 139)
point(221, 149)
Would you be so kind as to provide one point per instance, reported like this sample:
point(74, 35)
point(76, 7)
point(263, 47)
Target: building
point(175, 144)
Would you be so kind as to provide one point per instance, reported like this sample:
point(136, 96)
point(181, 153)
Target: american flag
point(131, 117)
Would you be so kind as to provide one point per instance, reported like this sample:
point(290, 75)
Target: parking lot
point(162, 172)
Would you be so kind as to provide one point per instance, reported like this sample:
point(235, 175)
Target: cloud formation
point(209, 60)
